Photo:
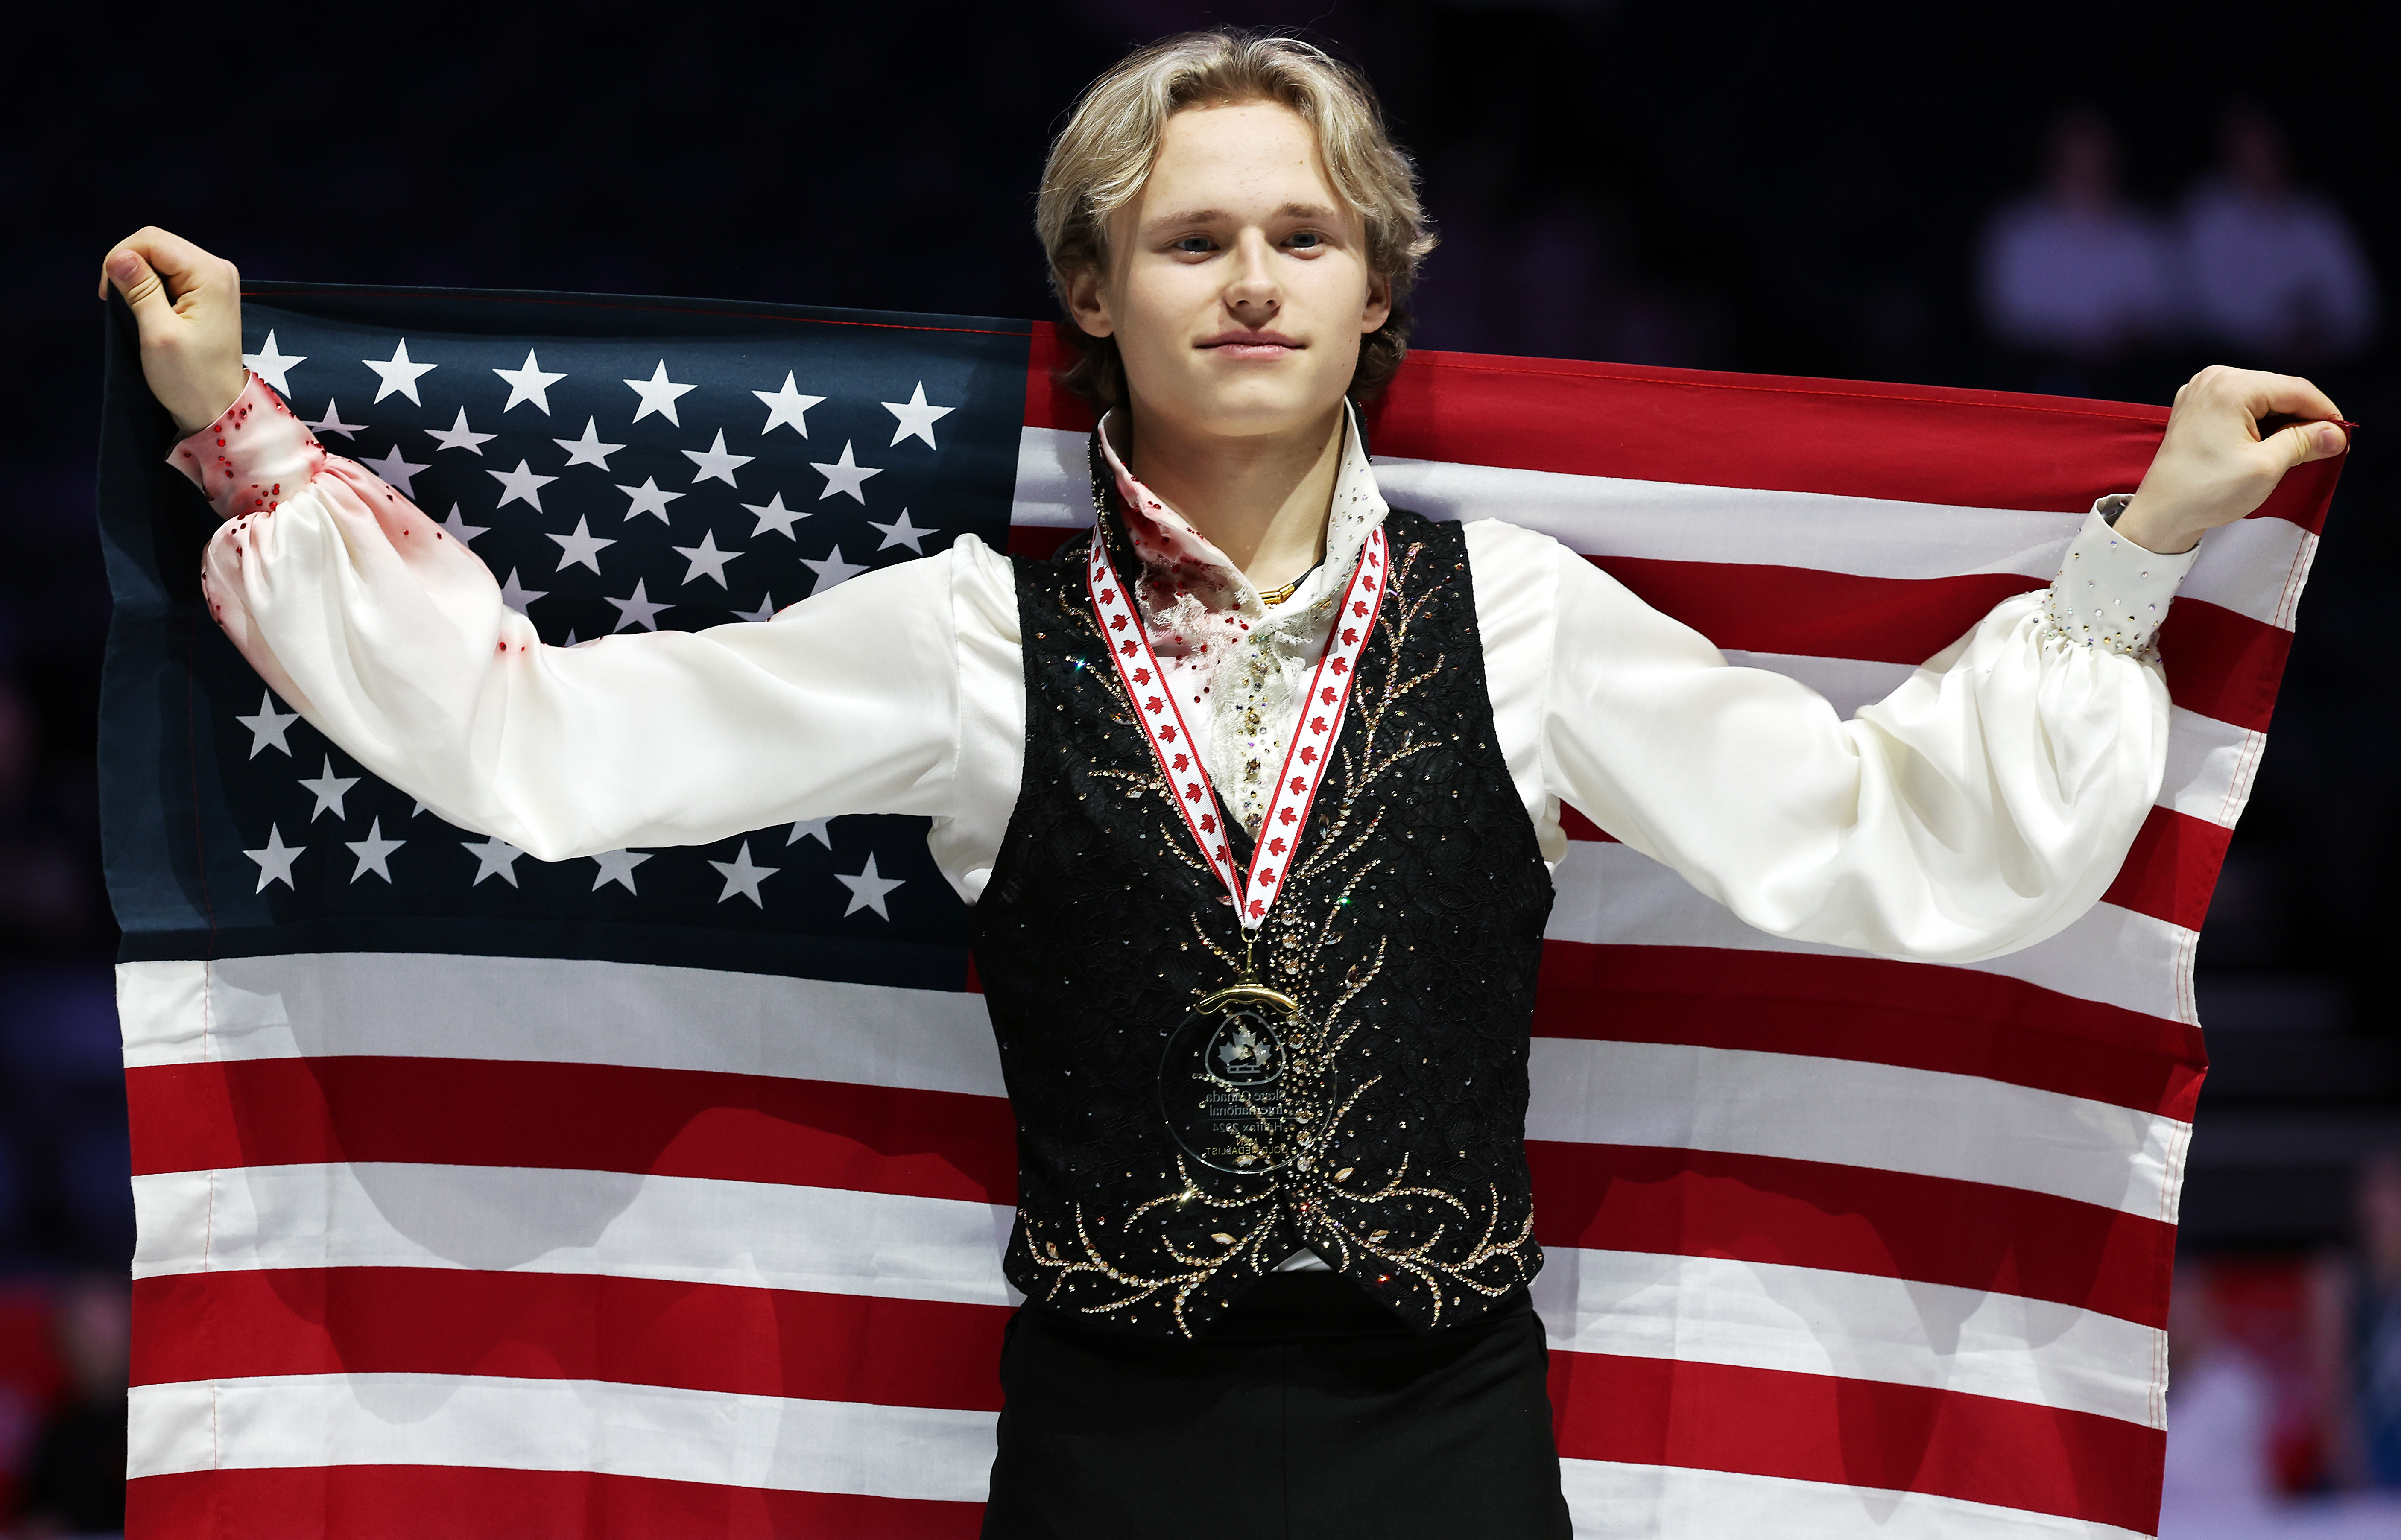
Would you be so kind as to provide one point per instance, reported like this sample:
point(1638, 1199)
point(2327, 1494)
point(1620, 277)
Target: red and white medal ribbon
point(1304, 759)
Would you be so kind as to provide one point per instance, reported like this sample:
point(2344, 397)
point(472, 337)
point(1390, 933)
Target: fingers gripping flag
point(665, 1190)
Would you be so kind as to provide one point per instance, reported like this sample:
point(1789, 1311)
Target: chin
point(1260, 405)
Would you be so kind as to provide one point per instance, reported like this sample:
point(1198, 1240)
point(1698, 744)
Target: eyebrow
point(1211, 216)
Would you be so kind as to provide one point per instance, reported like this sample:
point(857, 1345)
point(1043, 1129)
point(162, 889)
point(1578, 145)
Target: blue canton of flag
point(620, 467)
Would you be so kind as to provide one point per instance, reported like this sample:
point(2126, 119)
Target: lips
point(1252, 345)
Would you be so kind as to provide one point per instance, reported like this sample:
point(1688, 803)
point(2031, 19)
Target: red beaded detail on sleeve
point(253, 456)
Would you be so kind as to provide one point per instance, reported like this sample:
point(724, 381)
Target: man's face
point(1238, 285)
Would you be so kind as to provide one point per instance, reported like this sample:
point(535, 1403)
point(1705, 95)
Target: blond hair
point(1101, 159)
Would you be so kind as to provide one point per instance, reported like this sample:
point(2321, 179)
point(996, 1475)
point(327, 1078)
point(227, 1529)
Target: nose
point(1252, 292)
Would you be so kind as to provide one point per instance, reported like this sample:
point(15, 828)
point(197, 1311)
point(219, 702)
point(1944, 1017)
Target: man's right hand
point(188, 305)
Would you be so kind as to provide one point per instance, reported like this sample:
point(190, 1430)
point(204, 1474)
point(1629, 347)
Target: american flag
point(664, 1192)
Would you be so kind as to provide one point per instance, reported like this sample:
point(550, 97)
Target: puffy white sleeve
point(1979, 808)
point(393, 639)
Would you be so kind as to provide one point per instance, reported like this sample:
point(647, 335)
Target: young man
point(1251, 795)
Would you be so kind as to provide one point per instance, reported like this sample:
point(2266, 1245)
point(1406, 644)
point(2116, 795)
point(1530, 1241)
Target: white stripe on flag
point(1846, 1112)
point(1619, 1502)
point(1715, 1310)
point(493, 1423)
point(2254, 567)
point(618, 1224)
point(550, 1010)
point(1610, 894)
point(1682, 521)
point(2210, 766)
point(1054, 479)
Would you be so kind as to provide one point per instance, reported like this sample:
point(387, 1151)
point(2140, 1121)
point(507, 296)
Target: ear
point(1087, 301)
point(1378, 307)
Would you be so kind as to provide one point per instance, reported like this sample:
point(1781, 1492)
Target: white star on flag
point(268, 725)
point(830, 571)
point(521, 484)
point(275, 860)
point(867, 889)
point(705, 557)
point(331, 423)
point(270, 365)
point(743, 878)
point(374, 852)
point(399, 374)
point(773, 515)
point(637, 611)
point(844, 476)
point(516, 597)
point(493, 858)
point(530, 383)
point(902, 532)
point(649, 499)
point(460, 530)
point(588, 450)
point(658, 395)
point(917, 420)
point(581, 549)
point(397, 471)
point(617, 866)
point(329, 790)
point(787, 407)
point(459, 436)
point(812, 828)
point(765, 612)
point(714, 464)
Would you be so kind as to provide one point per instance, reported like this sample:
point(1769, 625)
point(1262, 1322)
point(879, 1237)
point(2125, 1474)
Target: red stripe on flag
point(1762, 608)
point(1952, 1021)
point(2304, 495)
point(1578, 827)
point(416, 1502)
point(2172, 869)
point(552, 1325)
point(1888, 1224)
point(1633, 1198)
point(1970, 449)
point(1967, 449)
point(2222, 664)
point(667, 1122)
point(1047, 403)
point(1858, 1433)
point(2219, 664)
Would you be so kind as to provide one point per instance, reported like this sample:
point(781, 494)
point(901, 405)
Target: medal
point(1221, 1082)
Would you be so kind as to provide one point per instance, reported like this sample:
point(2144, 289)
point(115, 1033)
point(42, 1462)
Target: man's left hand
point(2215, 464)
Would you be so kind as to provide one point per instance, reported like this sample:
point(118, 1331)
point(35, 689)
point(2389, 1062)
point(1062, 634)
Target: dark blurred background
point(2090, 201)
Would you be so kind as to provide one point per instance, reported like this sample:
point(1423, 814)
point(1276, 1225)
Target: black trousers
point(1312, 1411)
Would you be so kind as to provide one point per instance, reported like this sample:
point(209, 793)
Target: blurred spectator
point(2359, 1321)
point(2221, 1412)
point(2073, 271)
point(2275, 272)
point(76, 1483)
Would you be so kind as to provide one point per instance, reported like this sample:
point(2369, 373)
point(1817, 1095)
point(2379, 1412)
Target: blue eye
point(1305, 239)
point(1196, 244)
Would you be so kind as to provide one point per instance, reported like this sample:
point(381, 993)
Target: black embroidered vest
point(1410, 930)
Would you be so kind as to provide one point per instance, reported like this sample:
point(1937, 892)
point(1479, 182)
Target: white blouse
point(1978, 808)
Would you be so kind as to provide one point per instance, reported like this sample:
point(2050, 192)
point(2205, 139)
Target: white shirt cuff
point(2112, 594)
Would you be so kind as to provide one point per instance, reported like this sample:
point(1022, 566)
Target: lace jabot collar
point(1238, 665)
point(1184, 572)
